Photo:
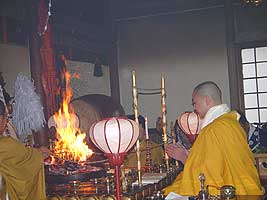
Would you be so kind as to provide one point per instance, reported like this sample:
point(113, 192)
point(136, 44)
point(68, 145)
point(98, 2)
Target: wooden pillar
point(113, 59)
point(233, 58)
point(40, 138)
point(114, 75)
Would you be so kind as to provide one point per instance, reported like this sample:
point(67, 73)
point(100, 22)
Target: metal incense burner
point(227, 192)
point(203, 194)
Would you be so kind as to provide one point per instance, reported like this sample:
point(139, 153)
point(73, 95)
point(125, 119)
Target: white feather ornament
point(28, 112)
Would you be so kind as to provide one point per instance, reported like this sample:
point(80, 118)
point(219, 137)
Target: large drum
point(93, 107)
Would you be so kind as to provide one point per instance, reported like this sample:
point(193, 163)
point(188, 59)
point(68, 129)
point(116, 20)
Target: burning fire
point(70, 143)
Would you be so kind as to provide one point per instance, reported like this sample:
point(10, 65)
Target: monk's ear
point(208, 101)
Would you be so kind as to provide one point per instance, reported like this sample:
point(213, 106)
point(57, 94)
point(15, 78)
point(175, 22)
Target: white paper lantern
point(114, 135)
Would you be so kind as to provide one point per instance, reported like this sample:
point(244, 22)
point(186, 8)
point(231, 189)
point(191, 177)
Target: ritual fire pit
point(59, 171)
point(71, 159)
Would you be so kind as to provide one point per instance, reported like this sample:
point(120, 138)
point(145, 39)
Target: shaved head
point(211, 90)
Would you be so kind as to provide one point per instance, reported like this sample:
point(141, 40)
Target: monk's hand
point(45, 152)
point(177, 151)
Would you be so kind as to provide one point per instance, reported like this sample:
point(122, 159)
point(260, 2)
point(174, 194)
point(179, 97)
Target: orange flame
point(53, 161)
point(70, 143)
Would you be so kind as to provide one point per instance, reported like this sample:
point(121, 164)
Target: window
point(254, 67)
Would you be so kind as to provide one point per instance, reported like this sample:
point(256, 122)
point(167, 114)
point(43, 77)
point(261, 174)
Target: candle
point(135, 107)
point(147, 137)
point(164, 128)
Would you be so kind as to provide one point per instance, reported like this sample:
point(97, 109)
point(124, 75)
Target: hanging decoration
point(48, 75)
point(44, 26)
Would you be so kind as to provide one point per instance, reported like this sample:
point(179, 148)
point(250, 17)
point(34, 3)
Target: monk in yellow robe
point(22, 168)
point(220, 152)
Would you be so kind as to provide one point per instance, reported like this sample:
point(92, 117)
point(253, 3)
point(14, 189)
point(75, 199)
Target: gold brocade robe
point(156, 155)
point(220, 152)
point(22, 169)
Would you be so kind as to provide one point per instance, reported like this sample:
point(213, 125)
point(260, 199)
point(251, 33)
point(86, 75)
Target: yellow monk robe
point(23, 170)
point(220, 152)
point(156, 155)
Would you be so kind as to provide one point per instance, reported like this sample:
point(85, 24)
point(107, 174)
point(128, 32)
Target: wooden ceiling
point(98, 13)
point(127, 9)
point(86, 27)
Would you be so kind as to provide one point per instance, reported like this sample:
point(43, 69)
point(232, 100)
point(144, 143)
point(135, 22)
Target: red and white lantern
point(115, 136)
point(189, 122)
